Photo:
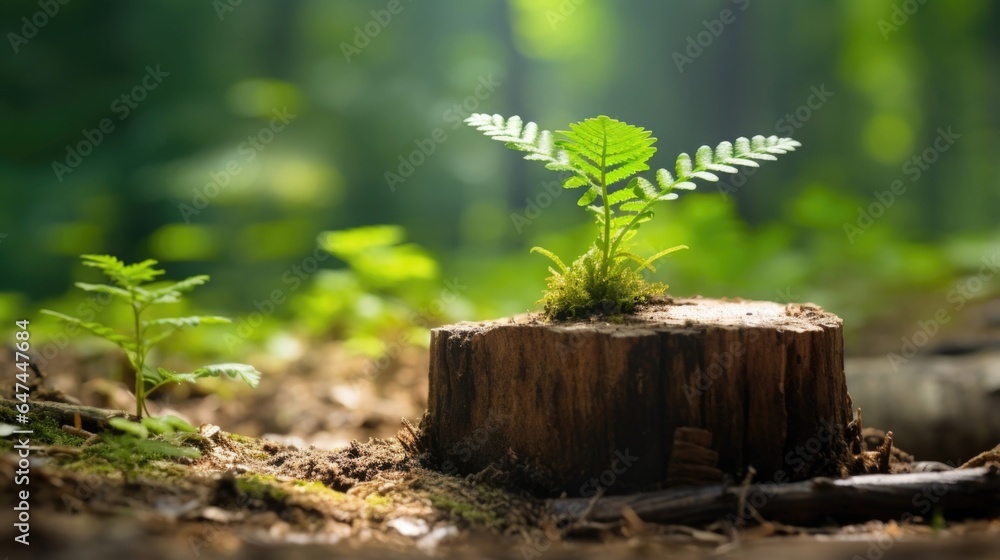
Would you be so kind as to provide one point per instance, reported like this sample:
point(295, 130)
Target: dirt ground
point(316, 463)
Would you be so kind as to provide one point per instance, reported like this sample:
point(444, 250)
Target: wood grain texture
point(972, 492)
point(594, 405)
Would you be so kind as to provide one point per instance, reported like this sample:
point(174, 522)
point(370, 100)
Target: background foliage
point(361, 93)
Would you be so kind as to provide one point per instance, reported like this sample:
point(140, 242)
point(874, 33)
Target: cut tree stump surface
point(592, 406)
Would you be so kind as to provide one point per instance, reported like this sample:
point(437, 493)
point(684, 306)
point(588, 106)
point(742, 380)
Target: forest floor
point(316, 463)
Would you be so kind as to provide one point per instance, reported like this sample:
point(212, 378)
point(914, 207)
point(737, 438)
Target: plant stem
point(140, 359)
point(607, 209)
point(647, 206)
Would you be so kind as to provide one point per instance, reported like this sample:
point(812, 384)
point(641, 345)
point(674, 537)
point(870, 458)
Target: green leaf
point(349, 242)
point(607, 150)
point(166, 375)
point(664, 179)
point(193, 321)
point(622, 221)
point(589, 196)
point(179, 424)
point(168, 449)
point(173, 292)
point(173, 324)
point(663, 253)
point(597, 212)
point(703, 157)
point(156, 425)
point(562, 266)
point(126, 276)
point(575, 182)
point(622, 195)
point(129, 427)
point(528, 138)
point(633, 206)
point(683, 167)
point(105, 289)
point(105, 332)
point(644, 189)
point(245, 372)
point(632, 256)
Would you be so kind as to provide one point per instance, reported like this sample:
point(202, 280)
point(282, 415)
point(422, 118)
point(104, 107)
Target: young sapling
point(599, 154)
point(134, 285)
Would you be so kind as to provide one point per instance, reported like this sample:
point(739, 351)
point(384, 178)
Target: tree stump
point(592, 406)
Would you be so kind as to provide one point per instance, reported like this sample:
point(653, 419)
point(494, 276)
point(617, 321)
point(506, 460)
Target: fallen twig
point(969, 492)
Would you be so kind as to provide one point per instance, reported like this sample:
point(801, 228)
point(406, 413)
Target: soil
point(337, 475)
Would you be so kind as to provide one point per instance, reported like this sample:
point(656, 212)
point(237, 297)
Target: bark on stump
point(593, 406)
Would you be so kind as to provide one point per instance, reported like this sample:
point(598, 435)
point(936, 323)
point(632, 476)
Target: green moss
point(457, 506)
point(378, 501)
point(252, 447)
point(314, 487)
point(243, 439)
point(126, 456)
point(45, 430)
point(262, 487)
point(584, 289)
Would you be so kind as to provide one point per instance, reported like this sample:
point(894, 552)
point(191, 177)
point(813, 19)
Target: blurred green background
point(234, 133)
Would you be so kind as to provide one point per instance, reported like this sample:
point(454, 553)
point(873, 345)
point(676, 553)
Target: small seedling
point(133, 284)
point(597, 154)
point(170, 432)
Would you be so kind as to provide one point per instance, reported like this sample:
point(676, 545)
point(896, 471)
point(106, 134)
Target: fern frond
point(643, 263)
point(607, 150)
point(621, 195)
point(104, 289)
point(538, 144)
point(105, 332)
point(648, 262)
point(633, 206)
point(551, 255)
point(126, 276)
point(173, 324)
point(589, 196)
point(244, 372)
point(643, 189)
point(597, 154)
point(597, 211)
point(173, 292)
